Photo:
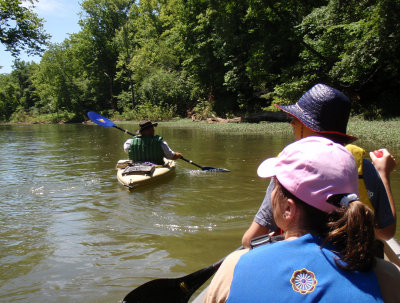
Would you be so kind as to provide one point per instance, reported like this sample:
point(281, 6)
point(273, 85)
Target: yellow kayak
point(133, 175)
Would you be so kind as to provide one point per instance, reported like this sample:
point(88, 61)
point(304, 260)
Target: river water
point(70, 233)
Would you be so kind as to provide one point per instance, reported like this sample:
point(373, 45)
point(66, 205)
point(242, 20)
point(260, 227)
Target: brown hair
point(349, 229)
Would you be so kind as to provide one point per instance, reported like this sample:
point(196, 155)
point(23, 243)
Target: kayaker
point(324, 111)
point(328, 251)
point(148, 147)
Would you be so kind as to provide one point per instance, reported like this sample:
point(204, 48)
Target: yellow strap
point(358, 154)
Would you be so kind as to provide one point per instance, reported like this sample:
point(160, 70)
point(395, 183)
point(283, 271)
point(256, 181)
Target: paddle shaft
point(191, 162)
point(178, 290)
point(207, 168)
point(124, 130)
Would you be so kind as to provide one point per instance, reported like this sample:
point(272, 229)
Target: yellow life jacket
point(358, 154)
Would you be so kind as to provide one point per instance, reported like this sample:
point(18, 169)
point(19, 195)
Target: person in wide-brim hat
point(324, 111)
point(146, 124)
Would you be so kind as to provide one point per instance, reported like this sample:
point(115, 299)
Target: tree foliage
point(20, 28)
point(236, 56)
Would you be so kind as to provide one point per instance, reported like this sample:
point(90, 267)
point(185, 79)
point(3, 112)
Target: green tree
point(198, 38)
point(275, 42)
point(99, 48)
point(236, 56)
point(60, 80)
point(238, 50)
point(22, 73)
point(8, 96)
point(157, 55)
point(351, 46)
point(20, 28)
point(17, 91)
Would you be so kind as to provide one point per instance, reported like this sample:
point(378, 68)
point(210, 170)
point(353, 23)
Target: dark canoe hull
point(392, 251)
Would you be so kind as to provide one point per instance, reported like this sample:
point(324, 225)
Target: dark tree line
point(232, 57)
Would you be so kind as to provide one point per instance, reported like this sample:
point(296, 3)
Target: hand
point(178, 155)
point(384, 164)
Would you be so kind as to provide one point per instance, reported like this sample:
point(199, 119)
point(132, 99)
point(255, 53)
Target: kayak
point(133, 175)
point(392, 254)
point(392, 251)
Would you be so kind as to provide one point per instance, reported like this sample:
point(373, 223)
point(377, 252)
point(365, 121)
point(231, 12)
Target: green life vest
point(146, 148)
point(358, 154)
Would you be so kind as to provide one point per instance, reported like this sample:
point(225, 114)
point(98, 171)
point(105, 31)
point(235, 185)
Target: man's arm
point(127, 145)
point(169, 153)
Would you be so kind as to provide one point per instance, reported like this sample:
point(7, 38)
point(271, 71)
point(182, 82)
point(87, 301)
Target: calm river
point(70, 233)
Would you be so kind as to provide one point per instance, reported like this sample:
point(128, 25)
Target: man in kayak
point(328, 251)
point(147, 147)
point(324, 111)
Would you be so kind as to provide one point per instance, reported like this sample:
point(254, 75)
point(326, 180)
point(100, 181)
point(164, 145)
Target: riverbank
point(369, 133)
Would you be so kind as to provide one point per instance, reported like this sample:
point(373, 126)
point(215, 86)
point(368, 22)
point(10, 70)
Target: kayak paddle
point(206, 167)
point(103, 121)
point(179, 290)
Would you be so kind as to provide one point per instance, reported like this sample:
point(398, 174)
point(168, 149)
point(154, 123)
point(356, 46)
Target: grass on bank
point(32, 117)
point(384, 133)
point(377, 132)
point(369, 133)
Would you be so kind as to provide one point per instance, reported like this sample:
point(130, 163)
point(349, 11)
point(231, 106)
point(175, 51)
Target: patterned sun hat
point(323, 109)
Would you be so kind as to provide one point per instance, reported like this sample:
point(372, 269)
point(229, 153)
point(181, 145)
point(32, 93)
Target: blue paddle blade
point(100, 120)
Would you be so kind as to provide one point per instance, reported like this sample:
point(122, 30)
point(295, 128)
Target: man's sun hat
point(323, 109)
point(146, 124)
point(316, 170)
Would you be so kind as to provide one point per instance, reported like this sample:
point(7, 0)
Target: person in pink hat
point(324, 111)
point(327, 254)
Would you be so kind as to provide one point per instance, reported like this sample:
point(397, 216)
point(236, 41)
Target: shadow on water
point(70, 232)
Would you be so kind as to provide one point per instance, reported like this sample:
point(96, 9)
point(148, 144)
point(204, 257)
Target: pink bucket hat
point(316, 170)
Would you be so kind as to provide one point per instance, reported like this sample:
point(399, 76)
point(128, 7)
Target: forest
point(161, 59)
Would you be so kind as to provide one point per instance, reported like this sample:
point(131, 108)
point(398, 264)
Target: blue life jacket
point(299, 271)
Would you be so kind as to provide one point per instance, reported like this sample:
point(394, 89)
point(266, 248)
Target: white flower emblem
point(303, 281)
